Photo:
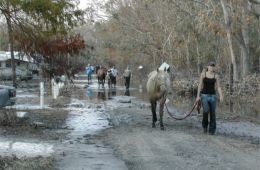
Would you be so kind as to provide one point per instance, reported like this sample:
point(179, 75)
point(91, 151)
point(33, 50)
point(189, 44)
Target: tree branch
point(255, 1)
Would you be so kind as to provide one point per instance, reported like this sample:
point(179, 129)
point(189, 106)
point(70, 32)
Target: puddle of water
point(21, 114)
point(21, 148)
point(89, 157)
point(121, 96)
point(28, 107)
point(28, 100)
point(19, 90)
point(85, 120)
point(75, 103)
point(27, 96)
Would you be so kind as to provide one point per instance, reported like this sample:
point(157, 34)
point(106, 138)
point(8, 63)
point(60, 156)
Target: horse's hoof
point(153, 125)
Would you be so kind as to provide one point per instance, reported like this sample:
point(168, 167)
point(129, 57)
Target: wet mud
point(89, 127)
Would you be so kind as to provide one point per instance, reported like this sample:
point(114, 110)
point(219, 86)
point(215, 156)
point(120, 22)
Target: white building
point(21, 60)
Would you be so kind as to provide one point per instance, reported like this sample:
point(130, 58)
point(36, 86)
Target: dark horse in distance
point(101, 75)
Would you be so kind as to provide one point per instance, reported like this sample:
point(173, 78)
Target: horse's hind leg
point(161, 112)
point(153, 105)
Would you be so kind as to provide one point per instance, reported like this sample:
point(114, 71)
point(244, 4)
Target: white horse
point(158, 85)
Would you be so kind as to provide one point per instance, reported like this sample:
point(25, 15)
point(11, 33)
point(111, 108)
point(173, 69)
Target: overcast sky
point(84, 3)
point(94, 4)
point(87, 3)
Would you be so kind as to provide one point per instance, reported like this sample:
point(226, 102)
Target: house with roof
point(25, 66)
point(21, 60)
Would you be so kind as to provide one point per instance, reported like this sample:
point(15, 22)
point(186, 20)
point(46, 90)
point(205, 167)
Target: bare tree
point(188, 32)
point(228, 23)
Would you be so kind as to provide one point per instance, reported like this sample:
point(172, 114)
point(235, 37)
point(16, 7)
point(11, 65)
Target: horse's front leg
point(153, 107)
point(162, 102)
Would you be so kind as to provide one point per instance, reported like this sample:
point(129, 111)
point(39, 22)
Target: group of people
point(112, 73)
point(209, 85)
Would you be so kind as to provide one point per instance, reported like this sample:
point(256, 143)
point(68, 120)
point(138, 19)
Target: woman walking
point(208, 85)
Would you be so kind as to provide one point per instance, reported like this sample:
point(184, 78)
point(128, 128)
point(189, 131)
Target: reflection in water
point(26, 96)
point(140, 88)
point(21, 114)
point(85, 121)
point(21, 149)
point(111, 93)
point(114, 92)
point(27, 106)
point(89, 93)
point(101, 95)
point(127, 92)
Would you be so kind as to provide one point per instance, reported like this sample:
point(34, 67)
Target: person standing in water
point(127, 76)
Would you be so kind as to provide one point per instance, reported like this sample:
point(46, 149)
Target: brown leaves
point(62, 45)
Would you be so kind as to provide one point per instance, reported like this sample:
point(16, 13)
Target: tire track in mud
point(181, 146)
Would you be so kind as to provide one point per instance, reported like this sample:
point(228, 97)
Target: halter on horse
point(157, 88)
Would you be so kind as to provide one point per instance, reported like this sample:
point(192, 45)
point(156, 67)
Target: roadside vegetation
point(185, 34)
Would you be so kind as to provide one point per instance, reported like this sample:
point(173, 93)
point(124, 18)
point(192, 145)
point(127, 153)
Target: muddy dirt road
point(182, 145)
point(103, 129)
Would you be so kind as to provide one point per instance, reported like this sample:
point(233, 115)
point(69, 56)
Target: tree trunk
point(229, 38)
point(11, 41)
point(187, 51)
point(245, 58)
point(244, 43)
point(198, 57)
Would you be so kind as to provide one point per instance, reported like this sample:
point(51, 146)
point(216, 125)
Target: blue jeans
point(209, 103)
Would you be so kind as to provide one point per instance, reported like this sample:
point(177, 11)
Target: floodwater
point(24, 147)
point(21, 147)
point(88, 115)
point(28, 99)
point(85, 120)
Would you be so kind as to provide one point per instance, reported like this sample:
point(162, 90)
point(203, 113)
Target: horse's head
point(162, 80)
point(104, 69)
point(101, 72)
point(158, 83)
